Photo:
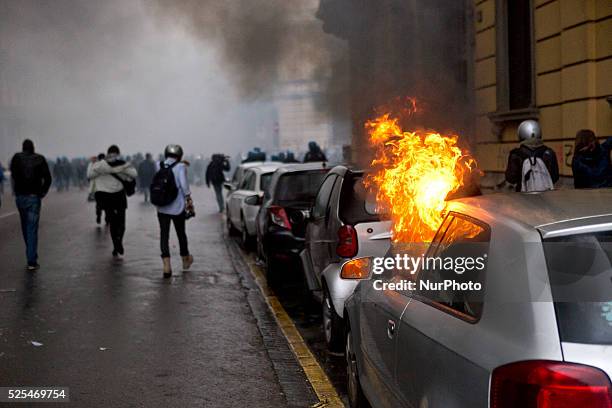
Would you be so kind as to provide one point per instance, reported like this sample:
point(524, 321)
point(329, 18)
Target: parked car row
point(539, 334)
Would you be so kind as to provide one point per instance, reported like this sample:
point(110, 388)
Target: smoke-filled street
point(306, 203)
point(117, 334)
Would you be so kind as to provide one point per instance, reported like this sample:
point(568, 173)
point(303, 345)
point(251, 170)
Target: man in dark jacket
point(532, 147)
point(146, 171)
point(214, 175)
point(31, 182)
point(315, 154)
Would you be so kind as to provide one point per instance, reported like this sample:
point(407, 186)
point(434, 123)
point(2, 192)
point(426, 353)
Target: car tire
point(356, 397)
point(333, 325)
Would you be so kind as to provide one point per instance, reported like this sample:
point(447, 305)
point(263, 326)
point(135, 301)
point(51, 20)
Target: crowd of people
point(164, 182)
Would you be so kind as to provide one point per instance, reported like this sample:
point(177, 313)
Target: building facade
point(549, 60)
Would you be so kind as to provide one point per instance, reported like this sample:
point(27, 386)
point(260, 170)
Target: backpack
point(163, 188)
point(535, 175)
point(129, 186)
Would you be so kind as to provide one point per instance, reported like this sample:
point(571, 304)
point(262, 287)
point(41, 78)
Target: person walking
point(31, 182)
point(214, 175)
point(172, 197)
point(314, 154)
point(591, 162)
point(110, 176)
point(146, 171)
point(532, 166)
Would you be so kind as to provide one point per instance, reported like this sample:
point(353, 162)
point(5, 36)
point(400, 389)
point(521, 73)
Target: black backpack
point(163, 188)
point(129, 186)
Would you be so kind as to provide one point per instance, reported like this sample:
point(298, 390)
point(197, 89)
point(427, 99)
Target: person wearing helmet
point(315, 154)
point(176, 211)
point(532, 166)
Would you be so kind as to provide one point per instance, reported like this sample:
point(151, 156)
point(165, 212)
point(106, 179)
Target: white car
point(241, 215)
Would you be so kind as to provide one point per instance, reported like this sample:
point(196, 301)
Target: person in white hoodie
point(110, 192)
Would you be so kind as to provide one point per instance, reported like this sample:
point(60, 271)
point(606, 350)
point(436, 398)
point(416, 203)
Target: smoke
point(79, 75)
point(262, 42)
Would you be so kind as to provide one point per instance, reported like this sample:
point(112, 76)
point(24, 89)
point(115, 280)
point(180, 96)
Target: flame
point(413, 172)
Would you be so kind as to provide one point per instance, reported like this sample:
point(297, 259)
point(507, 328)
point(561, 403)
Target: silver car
point(538, 334)
point(242, 211)
point(342, 225)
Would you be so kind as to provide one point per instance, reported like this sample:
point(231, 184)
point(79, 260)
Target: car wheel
point(333, 327)
point(355, 393)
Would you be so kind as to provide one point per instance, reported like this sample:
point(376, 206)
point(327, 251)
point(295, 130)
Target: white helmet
point(529, 130)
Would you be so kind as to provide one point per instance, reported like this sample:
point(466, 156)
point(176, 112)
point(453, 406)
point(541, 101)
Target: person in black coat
point(214, 175)
point(31, 182)
point(591, 163)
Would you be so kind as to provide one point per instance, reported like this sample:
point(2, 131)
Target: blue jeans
point(29, 212)
point(219, 193)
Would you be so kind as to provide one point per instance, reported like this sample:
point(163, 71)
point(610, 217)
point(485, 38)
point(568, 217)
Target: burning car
point(539, 332)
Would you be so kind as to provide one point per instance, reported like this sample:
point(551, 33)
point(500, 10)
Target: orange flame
point(413, 174)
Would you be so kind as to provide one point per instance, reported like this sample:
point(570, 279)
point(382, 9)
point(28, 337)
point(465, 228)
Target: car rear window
point(264, 183)
point(580, 271)
point(299, 186)
point(355, 204)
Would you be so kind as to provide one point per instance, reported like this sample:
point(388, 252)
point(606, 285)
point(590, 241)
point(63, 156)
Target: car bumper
point(283, 245)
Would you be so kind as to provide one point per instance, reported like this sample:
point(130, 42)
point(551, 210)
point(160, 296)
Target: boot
point(187, 261)
point(167, 267)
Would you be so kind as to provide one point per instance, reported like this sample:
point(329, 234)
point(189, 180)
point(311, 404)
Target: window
point(580, 272)
point(264, 183)
point(461, 243)
point(515, 65)
point(323, 195)
point(299, 187)
point(248, 182)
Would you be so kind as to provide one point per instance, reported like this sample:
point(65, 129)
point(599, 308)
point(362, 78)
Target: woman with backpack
point(114, 180)
point(171, 195)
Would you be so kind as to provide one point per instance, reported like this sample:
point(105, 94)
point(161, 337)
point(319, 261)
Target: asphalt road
point(119, 335)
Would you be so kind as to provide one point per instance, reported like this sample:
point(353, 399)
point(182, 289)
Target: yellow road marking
point(322, 386)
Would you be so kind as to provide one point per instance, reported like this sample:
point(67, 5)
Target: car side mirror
point(358, 268)
point(228, 186)
point(254, 200)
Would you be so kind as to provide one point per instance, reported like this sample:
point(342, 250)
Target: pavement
point(118, 335)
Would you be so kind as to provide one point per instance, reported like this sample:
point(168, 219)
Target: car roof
point(254, 164)
point(267, 167)
point(289, 168)
point(548, 211)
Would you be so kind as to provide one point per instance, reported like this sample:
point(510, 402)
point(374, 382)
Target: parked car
point(241, 213)
point(281, 222)
point(238, 175)
point(539, 333)
point(342, 225)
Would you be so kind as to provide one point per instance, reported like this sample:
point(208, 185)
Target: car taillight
point(278, 216)
point(549, 384)
point(347, 242)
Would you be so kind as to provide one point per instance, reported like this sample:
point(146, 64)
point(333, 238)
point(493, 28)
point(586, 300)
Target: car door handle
point(390, 329)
